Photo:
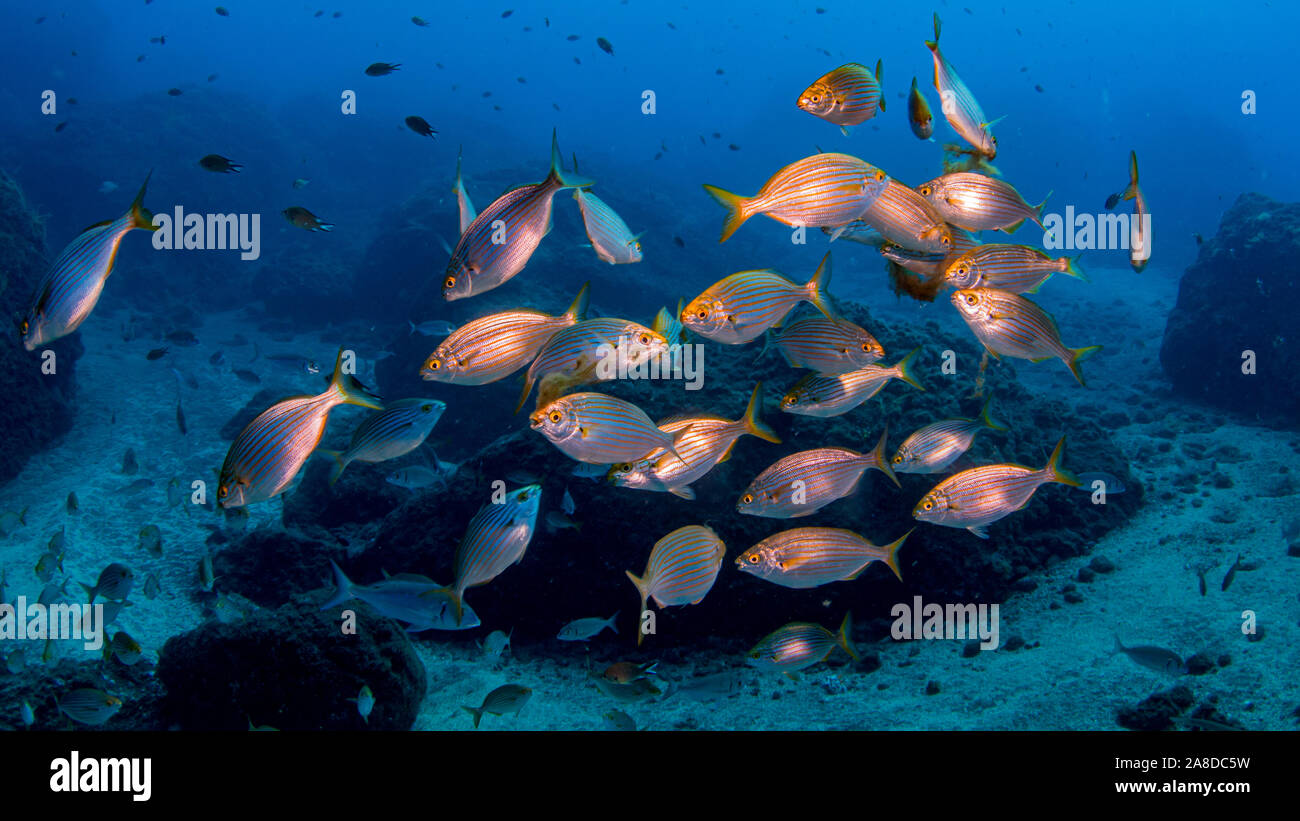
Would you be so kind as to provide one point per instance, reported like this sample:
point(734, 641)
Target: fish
point(420, 21)
point(567, 504)
point(508, 698)
point(959, 106)
point(1153, 658)
point(836, 394)
point(828, 345)
point(586, 629)
point(207, 577)
point(365, 702)
point(463, 203)
point(152, 587)
point(705, 440)
point(11, 521)
point(597, 428)
point(380, 69)
point(797, 645)
point(495, 644)
point(219, 164)
point(126, 649)
point(28, 715)
point(1019, 269)
point(221, 10)
point(416, 601)
point(1011, 325)
point(493, 347)
point(180, 418)
point(813, 556)
point(69, 291)
point(739, 308)
point(619, 721)
point(822, 190)
point(978, 202)
point(421, 126)
point(16, 661)
point(107, 187)
point(803, 483)
point(640, 689)
point(1139, 253)
point(47, 564)
point(246, 376)
point(933, 448)
point(682, 568)
point(89, 706)
point(174, 92)
point(1231, 574)
point(905, 218)
point(610, 237)
point(478, 263)
point(151, 541)
point(669, 325)
point(624, 672)
point(305, 219)
point(114, 583)
point(975, 498)
point(388, 434)
point(847, 96)
point(578, 350)
point(156, 354)
point(414, 477)
point(918, 113)
point(268, 453)
point(301, 183)
point(605, 46)
point(71, 504)
point(561, 521)
point(495, 539)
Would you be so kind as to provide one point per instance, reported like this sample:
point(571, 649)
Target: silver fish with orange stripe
point(669, 325)
point(463, 203)
point(905, 218)
point(610, 237)
point(495, 539)
point(497, 345)
point(1139, 253)
point(960, 108)
point(822, 190)
point(847, 96)
point(828, 345)
point(1008, 324)
point(268, 453)
point(826, 395)
point(1019, 269)
point(926, 263)
point(681, 569)
point(918, 113)
point(576, 352)
point(803, 483)
point(978, 202)
point(975, 498)
point(739, 308)
point(71, 289)
point(798, 645)
point(705, 440)
point(933, 448)
point(600, 429)
point(499, 242)
point(812, 556)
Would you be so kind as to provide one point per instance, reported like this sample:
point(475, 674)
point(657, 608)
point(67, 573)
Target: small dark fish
point(520, 80)
point(180, 418)
point(60, 126)
point(605, 45)
point(156, 353)
point(577, 61)
point(573, 37)
point(507, 13)
point(319, 13)
point(487, 94)
point(129, 465)
point(1199, 239)
point(420, 21)
point(336, 15)
point(72, 101)
point(734, 147)
point(421, 126)
point(1200, 575)
point(114, 583)
point(248, 376)
point(140, 59)
point(380, 69)
point(1112, 201)
point(681, 243)
point(212, 77)
point(219, 164)
point(555, 106)
point(183, 338)
point(303, 218)
point(221, 10)
point(175, 92)
point(1231, 574)
point(72, 502)
point(658, 155)
point(719, 72)
point(1038, 88)
point(217, 358)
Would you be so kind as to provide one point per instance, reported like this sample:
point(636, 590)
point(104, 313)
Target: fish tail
point(1056, 472)
point(1072, 268)
point(1131, 191)
point(528, 388)
point(842, 635)
point(880, 81)
point(891, 554)
point(142, 217)
point(459, 185)
point(90, 591)
point(349, 389)
point(882, 457)
point(342, 587)
point(818, 287)
point(578, 310)
point(1038, 209)
point(904, 371)
point(642, 587)
point(736, 211)
point(340, 464)
point(476, 713)
point(986, 416)
point(558, 176)
point(938, 25)
point(610, 621)
point(755, 426)
point(1077, 355)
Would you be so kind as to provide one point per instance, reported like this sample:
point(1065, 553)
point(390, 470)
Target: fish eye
point(426, 408)
point(880, 175)
point(434, 364)
point(555, 416)
point(22, 327)
point(449, 282)
point(747, 499)
point(963, 270)
point(702, 314)
point(925, 191)
point(623, 467)
point(927, 504)
point(898, 460)
point(645, 339)
point(753, 558)
point(946, 242)
point(971, 299)
point(866, 346)
point(223, 492)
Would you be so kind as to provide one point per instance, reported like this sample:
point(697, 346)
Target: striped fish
point(847, 96)
point(681, 569)
point(929, 264)
point(497, 345)
point(828, 345)
point(467, 212)
point(599, 429)
point(1009, 324)
point(805, 482)
point(1139, 253)
point(89, 706)
point(812, 556)
point(610, 237)
point(978, 202)
point(857, 231)
point(576, 351)
point(821, 190)
point(977, 497)
point(739, 308)
point(487, 254)
point(495, 539)
point(668, 325)
point(268, 453)
point(71, 288)
point(704, 441)
point(837, 394)
point(395, 431)
point(1019, 269)
point(960, 108)
point(798, 645)
point(904, 217)
point(918, 113)
point(934, 447)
